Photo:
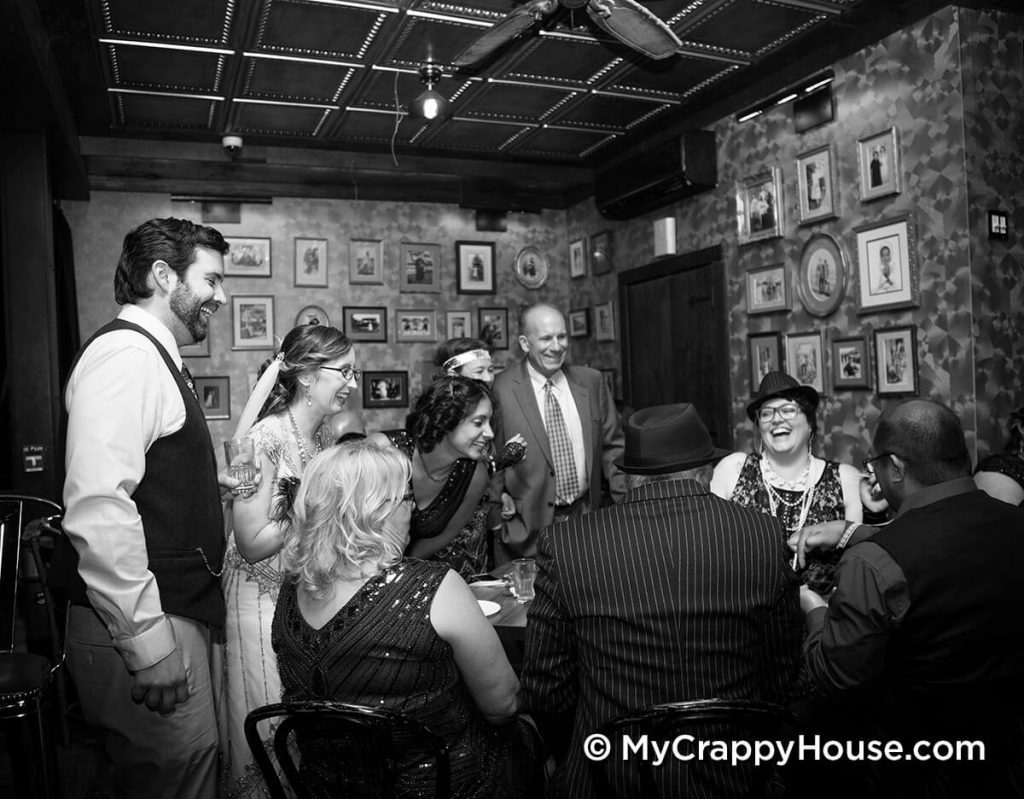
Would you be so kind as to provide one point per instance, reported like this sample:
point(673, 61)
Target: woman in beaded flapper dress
point(307, 382)
point(784, 478)
point(447, 439)
point(356, 622)
point(1001, 475)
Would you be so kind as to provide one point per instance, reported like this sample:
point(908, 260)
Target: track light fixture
point(430, 104)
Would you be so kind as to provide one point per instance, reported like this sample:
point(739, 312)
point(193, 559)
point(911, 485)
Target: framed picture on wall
point(201, 349)
point(821, 277)
point(385, 389)
point(247, 257)
point(252, 322)
point(458, 324)
point(759, 209)
point(767, 289)
point(805, 359)
point(311, 262)
point(851, 366)
point(765, 356)
point(416, 325)
point(474, 267)
point(604, 321)
point(878, 156)
point(531, 267)
point(366, 262)
point(896, 360)
point(420, 267)
point(366, 324)
point(493, 327)
point(816, 183)
point(312, 315)
point(601, 255)
point(887, 265)
point(578, 258)
point(579, 323)
point(215, 396)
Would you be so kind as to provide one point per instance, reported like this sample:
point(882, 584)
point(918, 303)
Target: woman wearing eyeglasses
point(306, 384)
point(784, 478)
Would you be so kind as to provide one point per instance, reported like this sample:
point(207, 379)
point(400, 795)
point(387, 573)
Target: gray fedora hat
point(667, 438)
point(779, 384)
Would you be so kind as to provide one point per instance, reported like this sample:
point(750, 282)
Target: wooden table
point(509, 622)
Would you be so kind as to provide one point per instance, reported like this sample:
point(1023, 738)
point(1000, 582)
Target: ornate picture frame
point(577, 259)
point(579, 323)
point(767, 289)
point(887, 264)
point(415, 324)
point(475, 267)
point(252, 322)
point(851, 363)
point(602, 258)
point(604, 321)
point(532, 267)
point(419, 267)
point(366, 262)
point(492, 327)
point(458, 324)
point(805, 359)
point(896, 361)
point(765, 350)
point(248, 256)
point(365, 323)
point(760, 212)
point(816, 184)
point(312, 315)
point(822, 275)
point(878, 157)
point(310, 263)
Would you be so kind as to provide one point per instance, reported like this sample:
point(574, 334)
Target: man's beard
point(189, 310)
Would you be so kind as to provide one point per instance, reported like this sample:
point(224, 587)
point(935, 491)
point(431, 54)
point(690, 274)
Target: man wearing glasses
point(923, 638)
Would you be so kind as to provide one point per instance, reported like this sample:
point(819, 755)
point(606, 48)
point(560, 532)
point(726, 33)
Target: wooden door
point(674, 340)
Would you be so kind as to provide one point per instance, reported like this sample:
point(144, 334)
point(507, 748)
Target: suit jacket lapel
point(522, 390)
point(581, 395)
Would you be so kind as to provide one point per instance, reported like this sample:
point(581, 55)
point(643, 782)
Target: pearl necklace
point(775, 498)
point(304, 454)
point(430, 476)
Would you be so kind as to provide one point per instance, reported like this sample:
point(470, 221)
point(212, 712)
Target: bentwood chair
point(26, 678)
point(704, 720)
point(356, 750)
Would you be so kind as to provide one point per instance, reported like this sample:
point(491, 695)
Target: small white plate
point(489, 608)
point(487, 584)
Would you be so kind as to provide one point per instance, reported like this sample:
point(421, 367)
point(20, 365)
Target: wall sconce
point(430, 104)
point(793, 92)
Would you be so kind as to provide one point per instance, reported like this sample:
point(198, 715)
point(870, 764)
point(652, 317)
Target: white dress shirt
point(570, 413)
point(121, 398)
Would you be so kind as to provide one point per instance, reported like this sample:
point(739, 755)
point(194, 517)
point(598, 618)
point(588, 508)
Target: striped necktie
point(567, 484)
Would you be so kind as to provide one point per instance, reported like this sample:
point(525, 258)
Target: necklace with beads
point(430, 475)
point(775, 499)
point(304, 454)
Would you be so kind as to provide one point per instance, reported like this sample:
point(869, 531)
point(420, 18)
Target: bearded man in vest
point(143, 515)
point(923, 638)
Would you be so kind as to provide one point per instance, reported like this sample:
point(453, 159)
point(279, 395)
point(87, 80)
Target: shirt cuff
point(149, 647)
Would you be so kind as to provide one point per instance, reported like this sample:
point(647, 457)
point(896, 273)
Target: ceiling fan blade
point(517, 21)
point(635, 27)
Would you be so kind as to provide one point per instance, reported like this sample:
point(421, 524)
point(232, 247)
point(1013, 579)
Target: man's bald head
point(543, 337)
point(928, 437)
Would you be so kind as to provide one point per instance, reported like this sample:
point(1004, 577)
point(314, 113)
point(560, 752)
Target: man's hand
point(810, 600)
point(162, 686)
point(871, 496)
point(508, 505)
point(229, 485)
point(816, 536)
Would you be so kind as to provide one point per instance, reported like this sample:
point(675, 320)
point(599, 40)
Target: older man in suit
point(568, 420)
point(673, 594)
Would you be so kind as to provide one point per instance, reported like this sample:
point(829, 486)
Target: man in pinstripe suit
point(674, 594)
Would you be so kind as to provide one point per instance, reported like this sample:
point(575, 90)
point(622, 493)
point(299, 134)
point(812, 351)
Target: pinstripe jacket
point(672, 595)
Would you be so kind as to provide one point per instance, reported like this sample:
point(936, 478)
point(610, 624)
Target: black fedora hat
point(779, 384)
point(667, 438)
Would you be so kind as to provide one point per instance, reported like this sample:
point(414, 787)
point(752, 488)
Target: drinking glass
point(241, 460)
point(521, 577)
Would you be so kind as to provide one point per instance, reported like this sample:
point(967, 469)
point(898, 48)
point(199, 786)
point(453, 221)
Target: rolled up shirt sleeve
point(121, 398)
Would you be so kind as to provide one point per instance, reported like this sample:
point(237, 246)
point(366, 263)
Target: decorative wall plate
point(821, 278)
point(312, 315)
point(532, 267)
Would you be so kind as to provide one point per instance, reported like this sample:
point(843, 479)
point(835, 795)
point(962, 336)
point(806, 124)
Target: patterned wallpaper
point(912, 80)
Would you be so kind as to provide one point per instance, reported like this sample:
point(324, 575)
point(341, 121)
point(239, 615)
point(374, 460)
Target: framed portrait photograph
point(896, 360)
point(604, 321)
point(474, 267)
point(415, 324)
point(201, 349)
point(311, 262)
point(805, 359)
point(458, 324)
point(366, 324)
point(821, 278)
point(767, 289)
point(765, 356)
point(215, 396)
point(579, 323)
point(531, 267)
point(816, 185)
point(878, 156)
point(252, 322)
point(851, 367)
point(887, 264)
point(312, 315)
point(493, 327)
point(385, 389)
point(420, 267)
point(578, 258)
point(366, 262)
point(601, 255)
point(759, 209)
point(247, 257)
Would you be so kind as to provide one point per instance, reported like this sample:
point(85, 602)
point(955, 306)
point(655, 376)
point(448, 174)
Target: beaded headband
point(460, 360)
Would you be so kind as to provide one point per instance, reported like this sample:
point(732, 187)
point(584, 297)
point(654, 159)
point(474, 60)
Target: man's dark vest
point(179, 502)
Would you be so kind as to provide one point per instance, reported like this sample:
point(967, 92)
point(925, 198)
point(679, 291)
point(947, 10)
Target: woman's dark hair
point(305, 348)
point(1015, 443)
point(457, 346)
point(810, 411)
point(171, 240)
point(442, 407)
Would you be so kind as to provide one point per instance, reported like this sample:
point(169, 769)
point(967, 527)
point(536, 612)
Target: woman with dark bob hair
point(447, 439)
point(305, 384)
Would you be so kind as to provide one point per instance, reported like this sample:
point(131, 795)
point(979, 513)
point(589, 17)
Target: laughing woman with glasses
point(784, 478)
point(302, 388)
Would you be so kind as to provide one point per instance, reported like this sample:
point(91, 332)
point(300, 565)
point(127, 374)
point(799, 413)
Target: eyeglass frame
point(353, 373)
point(777, 411)
point(869, 463)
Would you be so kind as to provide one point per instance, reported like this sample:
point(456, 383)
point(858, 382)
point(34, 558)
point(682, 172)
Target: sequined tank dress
point(826, 506)
point(381, 650)
point(466, 553)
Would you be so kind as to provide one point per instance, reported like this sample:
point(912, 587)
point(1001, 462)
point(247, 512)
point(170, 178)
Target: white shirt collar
point(138, 315)
point(557, 379)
